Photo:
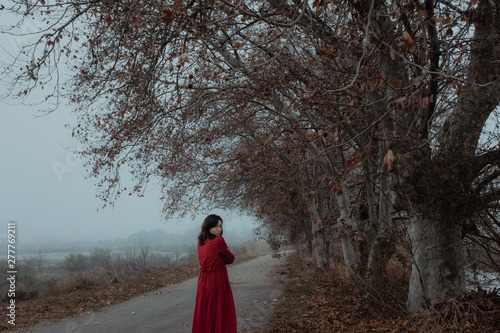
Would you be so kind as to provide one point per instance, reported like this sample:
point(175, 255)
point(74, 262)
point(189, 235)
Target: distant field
point(174, 256)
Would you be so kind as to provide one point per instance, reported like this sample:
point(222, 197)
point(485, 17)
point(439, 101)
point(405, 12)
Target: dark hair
point(210, 222)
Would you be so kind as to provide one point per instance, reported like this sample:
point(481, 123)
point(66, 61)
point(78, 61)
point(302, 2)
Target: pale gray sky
point(43, 186)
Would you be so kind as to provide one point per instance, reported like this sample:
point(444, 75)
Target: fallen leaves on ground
point(316, 300)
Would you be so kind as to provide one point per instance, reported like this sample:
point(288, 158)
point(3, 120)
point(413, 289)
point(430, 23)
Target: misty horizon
point(156, 238)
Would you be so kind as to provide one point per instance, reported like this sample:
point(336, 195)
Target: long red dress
point(214, 310)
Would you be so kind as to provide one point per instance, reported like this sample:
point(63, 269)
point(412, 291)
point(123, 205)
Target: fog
point(43, 187)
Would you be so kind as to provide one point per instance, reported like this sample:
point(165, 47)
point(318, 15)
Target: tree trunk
point(332, 249)
point(350, 254)
point(317, 233)
point(437, 249)
point(383, 246)
point(437, 269)
point(318, 242)
point(347, 228)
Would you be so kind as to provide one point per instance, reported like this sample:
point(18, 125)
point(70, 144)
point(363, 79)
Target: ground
point(315, 300)
point(91, 297)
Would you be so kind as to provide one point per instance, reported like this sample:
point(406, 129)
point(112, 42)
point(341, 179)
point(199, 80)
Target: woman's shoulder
point(218, 239)
point(210, 240)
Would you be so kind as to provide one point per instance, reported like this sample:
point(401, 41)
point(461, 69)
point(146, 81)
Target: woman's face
point(217, 230)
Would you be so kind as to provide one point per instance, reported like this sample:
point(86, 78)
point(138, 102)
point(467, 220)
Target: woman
point(214, 310)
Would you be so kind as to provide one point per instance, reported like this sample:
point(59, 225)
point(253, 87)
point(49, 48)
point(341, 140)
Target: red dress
point(214, 310)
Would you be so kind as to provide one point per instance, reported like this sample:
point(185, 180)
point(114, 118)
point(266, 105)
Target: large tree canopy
point(323, 117)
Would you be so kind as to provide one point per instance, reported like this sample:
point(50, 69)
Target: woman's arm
point(224, 250)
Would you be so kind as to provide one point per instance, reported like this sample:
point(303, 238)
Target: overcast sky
point(43, 184)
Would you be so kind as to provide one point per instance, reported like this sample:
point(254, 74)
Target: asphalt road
point(170, 310)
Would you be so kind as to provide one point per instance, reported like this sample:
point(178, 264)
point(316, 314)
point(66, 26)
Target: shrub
point(100, 258)
point(76, 263)
point(28, 282)
point(81, 281)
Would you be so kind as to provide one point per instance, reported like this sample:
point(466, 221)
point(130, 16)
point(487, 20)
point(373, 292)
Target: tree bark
point(318, 242)
point(437, 269)
point(317, 233)
point(382, 246)
point(347, 228)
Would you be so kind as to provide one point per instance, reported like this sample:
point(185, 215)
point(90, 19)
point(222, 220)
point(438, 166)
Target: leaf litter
point(316, 300)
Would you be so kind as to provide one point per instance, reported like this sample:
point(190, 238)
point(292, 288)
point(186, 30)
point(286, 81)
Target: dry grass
point(87, 296)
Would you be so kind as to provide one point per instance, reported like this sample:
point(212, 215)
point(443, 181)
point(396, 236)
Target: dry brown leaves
point(32, 312)
point(315, 300)
point(473, 312)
